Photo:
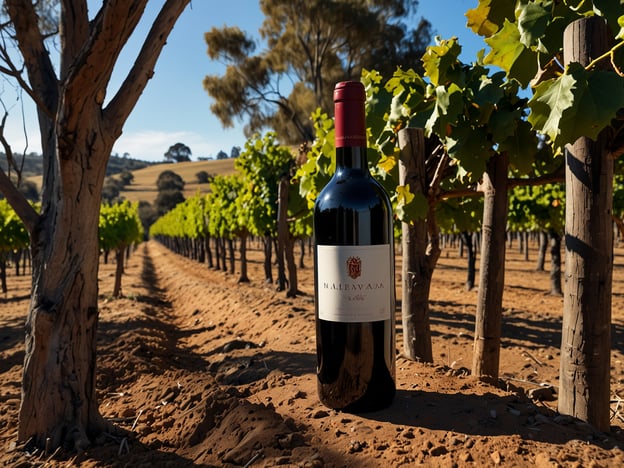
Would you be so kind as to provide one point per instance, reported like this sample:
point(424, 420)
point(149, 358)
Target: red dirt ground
point(206, 372)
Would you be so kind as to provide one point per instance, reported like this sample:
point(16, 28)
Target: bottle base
point(368, 403)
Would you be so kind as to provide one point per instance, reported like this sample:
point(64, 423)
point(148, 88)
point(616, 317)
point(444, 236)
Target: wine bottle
point(354, 271)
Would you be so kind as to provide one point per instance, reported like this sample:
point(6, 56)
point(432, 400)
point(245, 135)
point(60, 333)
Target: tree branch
point(74, 31)
point(24, 210)
point(142, 71)
point(43, 83)
point(558, 175)
point(87, 72)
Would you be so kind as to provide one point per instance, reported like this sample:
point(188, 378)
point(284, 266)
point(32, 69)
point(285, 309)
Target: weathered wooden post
point(586, 334)
point(417, 268)
point(486, 357)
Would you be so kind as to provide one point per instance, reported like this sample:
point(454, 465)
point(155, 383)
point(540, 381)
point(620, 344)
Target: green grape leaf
point(488, 17)
point(386, 143)
point(578, 103)
point(387, 163)
point(440, 61)
point(521, 146)
point(486, 92)
point(409, 97)
point(377, 100)
point(449, 105)
point(600, 99)
point(510, 54)
point(533, 18)
point(550, 99)
point(620, 35)
point(470, 147)
point(612, 11)
point(503, 123)
point(410, 206)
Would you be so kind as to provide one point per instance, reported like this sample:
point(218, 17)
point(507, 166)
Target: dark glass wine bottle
point(354, 271)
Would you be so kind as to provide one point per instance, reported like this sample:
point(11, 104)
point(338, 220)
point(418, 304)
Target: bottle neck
point(351, 157)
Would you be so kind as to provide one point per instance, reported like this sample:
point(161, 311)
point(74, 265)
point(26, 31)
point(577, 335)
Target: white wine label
point(354, 283)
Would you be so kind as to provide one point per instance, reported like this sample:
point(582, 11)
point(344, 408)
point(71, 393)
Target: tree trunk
point(492, 271)
point(268, 252)
point(16, 260)
point(217, 253)
point(223, 251)
point(59, 404)
point(418, 264)
point(586, 332)
point(302, 253)
point(293, 285)
point(472, 259)
point(282, 231)
point(119, 270)
point(541, 253)
point(208, 251)
point(555, 263)
point(243, 278)
point(3, 276)
point(230, 243)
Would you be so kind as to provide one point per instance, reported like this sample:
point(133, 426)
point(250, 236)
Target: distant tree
point(235, 153)
point(222, 155)
point(203, 177)
point(169, 180)
point(29, 189)
point(178, 153)
point(126, 177)
point(111, 190)
point(147, 214)
point(166, 200)
point(312, 44)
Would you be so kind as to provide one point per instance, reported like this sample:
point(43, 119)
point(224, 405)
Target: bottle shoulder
point(352, 189)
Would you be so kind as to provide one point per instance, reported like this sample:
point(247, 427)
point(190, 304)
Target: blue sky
point(175, 108)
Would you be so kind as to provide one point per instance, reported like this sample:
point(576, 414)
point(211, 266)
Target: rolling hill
point(143, 187)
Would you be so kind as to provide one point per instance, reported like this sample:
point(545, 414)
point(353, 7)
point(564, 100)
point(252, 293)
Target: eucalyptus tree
point(309, 46)
point(67, 77)
point(178, 153)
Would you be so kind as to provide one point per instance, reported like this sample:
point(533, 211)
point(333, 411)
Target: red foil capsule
point(349, 114)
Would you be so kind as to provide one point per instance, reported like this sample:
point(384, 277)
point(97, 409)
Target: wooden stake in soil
point(486, 358)
point(416, 270)
point(586, 333)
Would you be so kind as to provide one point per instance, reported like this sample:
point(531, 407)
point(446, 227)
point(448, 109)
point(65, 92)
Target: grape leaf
point(578, 103)
point(471, 147)
point(486, 92)
point(449, 104)
point(598, 97)
point(521, 146)
point(377, 98)
point(409, 92)
point(508, 53)
point(533, 18)
point(504, 122)
point(548, 103)
point(612, 11)
point(410, 206)
point(440, 61)
point(488, 17)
